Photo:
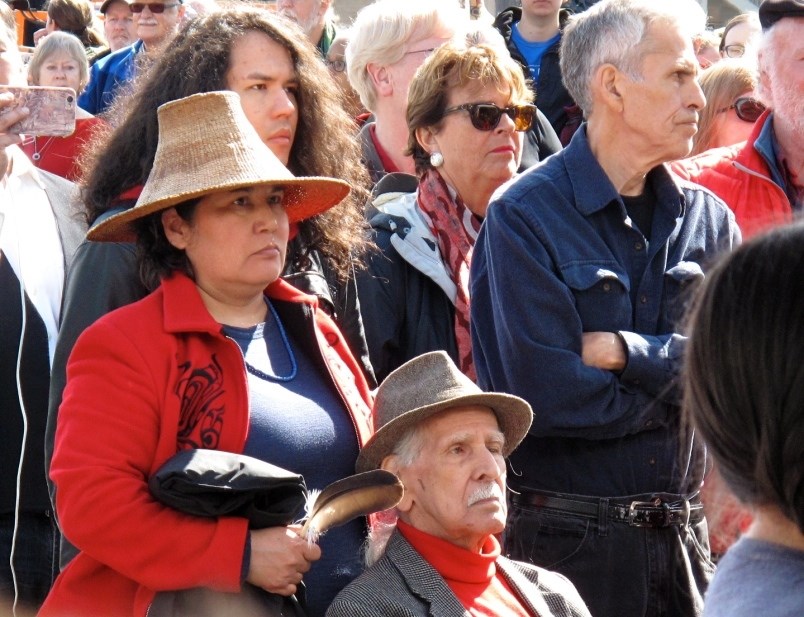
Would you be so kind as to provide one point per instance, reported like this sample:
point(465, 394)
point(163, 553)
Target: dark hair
point(454, 66)
point(744, 375)
point(156, 256)
point(736, 21)
point(75, 17)
point(196, 61)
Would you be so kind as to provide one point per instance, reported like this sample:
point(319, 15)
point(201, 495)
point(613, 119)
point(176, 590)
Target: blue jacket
point(557, 257)
point(106, 76)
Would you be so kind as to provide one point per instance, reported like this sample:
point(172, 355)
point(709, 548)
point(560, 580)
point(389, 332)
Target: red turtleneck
point(472, 577)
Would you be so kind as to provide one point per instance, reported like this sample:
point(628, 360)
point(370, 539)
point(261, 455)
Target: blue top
point(106, 76)
point(557, 257)
point(532, 51)
point(757, 578)
point(302, 425)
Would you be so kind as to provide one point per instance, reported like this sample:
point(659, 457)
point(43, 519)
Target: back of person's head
point(614, 32)
point(381, 31)
point(197, 60)
point(54, 43)
point(721, 83)
point(744, 378)
point(75, 17)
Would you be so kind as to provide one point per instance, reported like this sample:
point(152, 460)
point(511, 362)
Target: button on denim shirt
point(558, 256)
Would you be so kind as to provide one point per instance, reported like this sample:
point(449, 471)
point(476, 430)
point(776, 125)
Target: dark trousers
point(619, 570)
point(35, 560)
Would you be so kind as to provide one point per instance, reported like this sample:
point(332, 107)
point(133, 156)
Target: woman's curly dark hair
point(196, 61)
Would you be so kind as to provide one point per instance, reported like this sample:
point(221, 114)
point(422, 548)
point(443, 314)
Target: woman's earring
point(436, 159)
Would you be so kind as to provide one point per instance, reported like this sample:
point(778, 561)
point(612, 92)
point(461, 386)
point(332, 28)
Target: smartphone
point(52, 110)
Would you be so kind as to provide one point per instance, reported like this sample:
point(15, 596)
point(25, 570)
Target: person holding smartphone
point(37, 240)
point(59, 61)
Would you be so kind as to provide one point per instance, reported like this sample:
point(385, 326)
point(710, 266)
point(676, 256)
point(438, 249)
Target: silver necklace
point(38, 151)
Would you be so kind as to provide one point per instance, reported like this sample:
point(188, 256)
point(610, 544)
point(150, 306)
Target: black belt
point(653, 512)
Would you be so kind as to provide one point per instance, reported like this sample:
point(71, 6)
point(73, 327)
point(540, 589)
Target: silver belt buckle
point(648, 514)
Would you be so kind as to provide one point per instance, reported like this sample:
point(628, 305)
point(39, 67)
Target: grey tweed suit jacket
point(403, 584)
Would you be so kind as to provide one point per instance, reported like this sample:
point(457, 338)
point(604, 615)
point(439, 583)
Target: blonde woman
point(731, 105)
point(59, 60)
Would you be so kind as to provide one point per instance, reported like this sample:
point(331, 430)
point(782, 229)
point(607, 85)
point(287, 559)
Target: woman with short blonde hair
point(726, 120)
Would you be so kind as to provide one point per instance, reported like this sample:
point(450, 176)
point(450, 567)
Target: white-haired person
point(579, 280)
point(762, 180)
point(59, 60)
point(223, 355)
point(447, 442)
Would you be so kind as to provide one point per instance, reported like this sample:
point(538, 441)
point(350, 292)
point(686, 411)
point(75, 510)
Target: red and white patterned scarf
point(456, 228)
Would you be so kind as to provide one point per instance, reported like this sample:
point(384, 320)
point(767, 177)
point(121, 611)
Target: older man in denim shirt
point(579, 279)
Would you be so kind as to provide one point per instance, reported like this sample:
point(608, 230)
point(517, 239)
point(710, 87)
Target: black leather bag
point(211, 483)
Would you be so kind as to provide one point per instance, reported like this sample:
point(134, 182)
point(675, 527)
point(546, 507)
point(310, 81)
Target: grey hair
point(382, 29)
point(407, 449)
point(766, 61)
point(614, 32)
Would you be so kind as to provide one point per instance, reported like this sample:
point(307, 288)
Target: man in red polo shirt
point(447, 441)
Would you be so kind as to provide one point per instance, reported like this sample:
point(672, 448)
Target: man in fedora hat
point(762, 180)
point(447, 440)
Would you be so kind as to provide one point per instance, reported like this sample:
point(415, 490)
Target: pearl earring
point(436, 159)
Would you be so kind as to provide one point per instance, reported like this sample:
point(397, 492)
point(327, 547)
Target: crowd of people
point(544, 267)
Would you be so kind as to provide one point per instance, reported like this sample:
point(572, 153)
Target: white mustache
point(487, 491)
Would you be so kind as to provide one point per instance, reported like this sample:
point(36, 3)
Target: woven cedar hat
point(207, 145)
point(421, 388)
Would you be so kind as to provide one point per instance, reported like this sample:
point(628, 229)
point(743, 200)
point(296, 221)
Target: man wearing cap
point(762, 180)
point(446, 440)
point(118, 24)
point(38, 237)
point(156, 23)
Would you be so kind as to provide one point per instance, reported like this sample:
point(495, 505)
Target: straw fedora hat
point(207, 145)
point(421, 388)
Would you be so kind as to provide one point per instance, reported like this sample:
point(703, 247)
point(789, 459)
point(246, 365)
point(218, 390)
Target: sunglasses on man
point(156, 7)
point(486, 116)
point(748, 109)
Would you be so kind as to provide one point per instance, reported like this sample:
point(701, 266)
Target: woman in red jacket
point(223, 355)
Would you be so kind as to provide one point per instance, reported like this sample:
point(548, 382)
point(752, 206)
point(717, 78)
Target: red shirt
point(60, 155)
point(472, 577)
point(387, 161)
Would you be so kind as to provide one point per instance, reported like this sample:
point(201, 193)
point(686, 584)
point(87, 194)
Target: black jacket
point(552, 97)
point(405, 312)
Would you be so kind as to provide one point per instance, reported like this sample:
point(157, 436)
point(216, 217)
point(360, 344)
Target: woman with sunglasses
point(468, 106)
point(731, 106)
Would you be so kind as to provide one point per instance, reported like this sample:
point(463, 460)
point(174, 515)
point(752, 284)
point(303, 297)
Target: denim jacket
point(558, 256)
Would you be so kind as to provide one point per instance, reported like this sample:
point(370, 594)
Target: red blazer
point(143, 381)
point(740, 177)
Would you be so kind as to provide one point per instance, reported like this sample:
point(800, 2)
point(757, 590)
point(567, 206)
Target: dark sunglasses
point(748, 109)
point(486, 116)
point(156, 8)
